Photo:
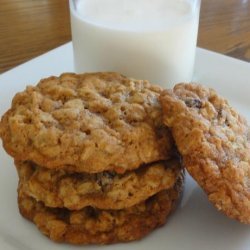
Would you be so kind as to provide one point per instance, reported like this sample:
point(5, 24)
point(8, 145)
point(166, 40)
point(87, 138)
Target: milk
point(143, 39)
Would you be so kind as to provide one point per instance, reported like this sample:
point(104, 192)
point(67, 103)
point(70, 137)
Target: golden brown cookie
point(89, 123)
point(93, 226)
point(106, 190)
point(214, 141)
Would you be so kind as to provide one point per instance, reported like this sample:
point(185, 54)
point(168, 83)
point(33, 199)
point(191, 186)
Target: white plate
point(195, 225)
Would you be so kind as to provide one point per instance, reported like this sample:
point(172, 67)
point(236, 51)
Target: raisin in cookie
point(214, 141)
point(91, 122)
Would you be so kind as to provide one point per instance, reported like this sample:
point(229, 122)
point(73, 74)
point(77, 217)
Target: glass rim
point(195, 9)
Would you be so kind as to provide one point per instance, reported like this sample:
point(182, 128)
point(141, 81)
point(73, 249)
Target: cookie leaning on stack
point(95, 162)
point(214, 142)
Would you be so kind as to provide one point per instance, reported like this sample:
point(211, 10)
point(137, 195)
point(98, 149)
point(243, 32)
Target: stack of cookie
point(95, 162)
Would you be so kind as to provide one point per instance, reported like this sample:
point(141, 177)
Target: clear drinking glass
point(144, 39)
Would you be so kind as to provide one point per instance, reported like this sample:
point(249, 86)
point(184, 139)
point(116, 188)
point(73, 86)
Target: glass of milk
point(144, 39)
